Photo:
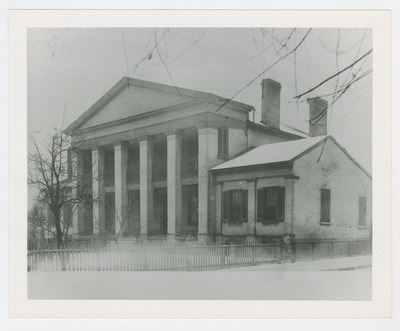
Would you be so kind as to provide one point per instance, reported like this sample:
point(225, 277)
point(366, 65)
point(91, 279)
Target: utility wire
point(333, 76)
point(126, 56)
point(190, 46)
point(259, 75)
point(335, 92)
point(165, 65)
point(295, 78)
point(149, 54)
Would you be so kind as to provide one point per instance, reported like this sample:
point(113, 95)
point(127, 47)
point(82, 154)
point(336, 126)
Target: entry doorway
point(190, 209)
point(159, 224)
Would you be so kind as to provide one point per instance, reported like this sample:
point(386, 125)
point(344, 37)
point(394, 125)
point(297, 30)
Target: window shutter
point(281, 204)
point(244, 206)
point(260, 205)
point(225, 206)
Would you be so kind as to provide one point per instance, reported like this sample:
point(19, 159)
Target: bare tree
point(38, 226)
point(55, 177)
point(122, 225)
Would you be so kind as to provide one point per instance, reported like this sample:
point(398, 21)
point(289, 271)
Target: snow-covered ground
point(333, 279)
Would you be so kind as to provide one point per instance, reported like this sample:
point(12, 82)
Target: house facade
point(172, 162)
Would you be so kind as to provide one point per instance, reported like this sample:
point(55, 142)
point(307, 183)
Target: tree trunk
point(59, 234)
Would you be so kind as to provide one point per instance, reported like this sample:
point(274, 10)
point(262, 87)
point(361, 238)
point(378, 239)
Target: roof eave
point(275, 131)
point(117, 88)
point(255, 167)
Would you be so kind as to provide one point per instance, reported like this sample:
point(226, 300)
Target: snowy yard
point(333, 279)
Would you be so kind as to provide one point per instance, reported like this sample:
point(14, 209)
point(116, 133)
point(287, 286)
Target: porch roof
point(272, 153)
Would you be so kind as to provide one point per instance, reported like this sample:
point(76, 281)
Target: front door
point(160, 219)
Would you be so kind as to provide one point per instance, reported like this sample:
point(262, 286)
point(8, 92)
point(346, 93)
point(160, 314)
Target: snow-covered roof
point(271, 153)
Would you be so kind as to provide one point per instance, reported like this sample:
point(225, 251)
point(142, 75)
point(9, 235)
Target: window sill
point(325, 223)
point(234, 223)
point(223, 156)
point(269, 223)
point(363, 227)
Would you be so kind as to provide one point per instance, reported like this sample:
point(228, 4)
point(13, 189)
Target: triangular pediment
point(133, 97)
point(133, 100)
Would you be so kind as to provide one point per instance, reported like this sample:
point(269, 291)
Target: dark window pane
point(271, 203)
point(236, 199)
point(362, 211)
point(325, 205)
point(223, 142)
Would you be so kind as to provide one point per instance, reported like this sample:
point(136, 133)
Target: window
point(325, 206)
point(223, 142)
point(270, 204)
point(234, 206)
point(362, 211)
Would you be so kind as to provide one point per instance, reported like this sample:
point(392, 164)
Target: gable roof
point(287, 151)
point(172, 96)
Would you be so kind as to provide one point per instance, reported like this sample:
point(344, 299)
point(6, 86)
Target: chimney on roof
point(271, 103)
point(318, 116)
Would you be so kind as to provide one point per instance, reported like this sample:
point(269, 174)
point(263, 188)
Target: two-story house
point(168, 161)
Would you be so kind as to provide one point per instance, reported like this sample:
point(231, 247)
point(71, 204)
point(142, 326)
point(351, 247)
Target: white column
point(98, 191)
point(174, 185)
point(208, 149)
point(76, 183)
point(146, 182)
point(290, 186)
point(251, 206)
point(121, 186)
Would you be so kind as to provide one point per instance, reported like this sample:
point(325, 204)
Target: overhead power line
point(165, 65)
point(333, 76)
point(259, 75)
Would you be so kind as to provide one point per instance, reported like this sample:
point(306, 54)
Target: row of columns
point(207, 146)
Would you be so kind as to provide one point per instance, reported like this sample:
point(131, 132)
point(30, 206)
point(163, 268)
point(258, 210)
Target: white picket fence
point(136, 257)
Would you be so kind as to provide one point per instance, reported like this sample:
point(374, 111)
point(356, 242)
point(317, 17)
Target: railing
point(136, 257)
point(188, 256)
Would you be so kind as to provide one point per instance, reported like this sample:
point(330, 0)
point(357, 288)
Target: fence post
point(223, 254)
point(281, 251)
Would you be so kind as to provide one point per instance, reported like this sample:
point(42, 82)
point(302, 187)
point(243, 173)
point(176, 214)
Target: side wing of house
point(333, 196)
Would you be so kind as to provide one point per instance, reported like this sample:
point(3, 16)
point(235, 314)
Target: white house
point(168, 161)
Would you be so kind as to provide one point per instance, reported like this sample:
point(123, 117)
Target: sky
point(69, 69)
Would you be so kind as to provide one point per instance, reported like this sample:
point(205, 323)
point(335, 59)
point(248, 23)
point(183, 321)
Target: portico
point(156, 170)
point(151, 151)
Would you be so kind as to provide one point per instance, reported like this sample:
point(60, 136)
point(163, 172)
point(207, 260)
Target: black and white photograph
point(182, 162)
point(201, 150)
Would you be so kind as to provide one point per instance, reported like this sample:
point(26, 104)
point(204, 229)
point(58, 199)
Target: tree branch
point(333, 76)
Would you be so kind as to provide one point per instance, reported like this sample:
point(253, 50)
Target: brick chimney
point(271, 103)
point(317, 124)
